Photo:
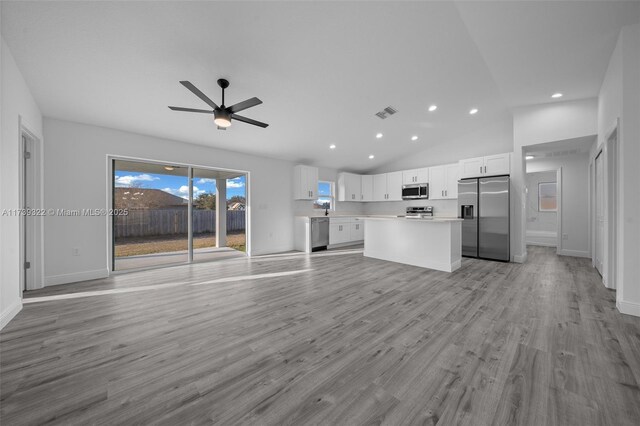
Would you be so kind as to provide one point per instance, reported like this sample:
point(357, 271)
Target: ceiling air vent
point(386, 112)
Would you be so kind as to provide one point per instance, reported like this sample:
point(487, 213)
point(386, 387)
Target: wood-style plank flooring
point(331, 339)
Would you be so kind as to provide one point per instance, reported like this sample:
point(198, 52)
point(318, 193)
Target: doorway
point(30, 187)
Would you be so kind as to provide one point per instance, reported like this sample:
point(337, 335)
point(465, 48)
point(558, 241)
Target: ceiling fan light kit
point(222, 115)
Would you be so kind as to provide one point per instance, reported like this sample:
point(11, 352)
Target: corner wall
point(17, 103)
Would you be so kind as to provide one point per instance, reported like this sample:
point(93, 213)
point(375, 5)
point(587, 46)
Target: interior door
point(599, 249)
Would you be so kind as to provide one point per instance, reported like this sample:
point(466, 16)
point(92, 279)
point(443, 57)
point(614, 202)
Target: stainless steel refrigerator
point(483, 203)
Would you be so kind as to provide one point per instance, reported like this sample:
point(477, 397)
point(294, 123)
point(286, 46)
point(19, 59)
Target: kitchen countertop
point(416, 219)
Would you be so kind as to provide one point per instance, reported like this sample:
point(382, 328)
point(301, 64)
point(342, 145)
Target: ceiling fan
point(222, 114)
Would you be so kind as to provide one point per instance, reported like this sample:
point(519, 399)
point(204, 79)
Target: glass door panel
point(155, 230)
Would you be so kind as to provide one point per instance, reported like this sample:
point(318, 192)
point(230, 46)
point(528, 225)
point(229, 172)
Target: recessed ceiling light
point(473, 111)
point(379, 135)
point(556, 95)
point(414, 138)
point(529, 157)
point(371, 157)
point(169, 168)
point(332, 146)
point(433, 108)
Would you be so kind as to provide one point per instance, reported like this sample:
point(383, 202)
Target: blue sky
point(178, 185)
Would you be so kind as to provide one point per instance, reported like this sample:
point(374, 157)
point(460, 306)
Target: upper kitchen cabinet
point(349, 187)
point(394, 186)
point(367, 188)
point(491, 165)
point(387, 187)
point(443, 182)
point(499, 164)
point(415, 176)
point(305, 182)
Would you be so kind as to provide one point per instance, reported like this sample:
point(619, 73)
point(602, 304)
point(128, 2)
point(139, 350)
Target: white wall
point(541, 225)
point(76, 177)
point(541, 124)
point(17, 101)
point(575, 200)
point(620, 98)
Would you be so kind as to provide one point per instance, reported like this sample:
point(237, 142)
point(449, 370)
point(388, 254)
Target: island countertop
point(416, 219)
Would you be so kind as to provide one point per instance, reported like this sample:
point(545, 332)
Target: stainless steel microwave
point(415, 191)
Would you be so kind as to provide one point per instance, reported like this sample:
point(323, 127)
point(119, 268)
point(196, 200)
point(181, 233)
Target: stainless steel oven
point(415, 191)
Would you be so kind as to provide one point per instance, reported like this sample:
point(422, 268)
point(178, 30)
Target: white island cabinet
point(434, 243)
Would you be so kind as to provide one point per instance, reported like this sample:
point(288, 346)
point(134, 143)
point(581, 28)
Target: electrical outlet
point(565, 236)
point(75, 251)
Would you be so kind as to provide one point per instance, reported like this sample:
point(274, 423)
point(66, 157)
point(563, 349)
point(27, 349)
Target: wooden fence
point(152, 222)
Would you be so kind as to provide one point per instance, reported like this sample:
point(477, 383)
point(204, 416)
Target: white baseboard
point(574, 253)
point(75, 277)
point(629, 308)
point(10, 312)
point(520, 258)
point(542, 238)
point(275, 250)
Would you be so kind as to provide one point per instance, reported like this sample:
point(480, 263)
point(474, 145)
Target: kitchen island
point(434, 243)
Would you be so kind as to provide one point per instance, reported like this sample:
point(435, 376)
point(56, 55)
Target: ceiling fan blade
point(199, 94)
point(204, 111)
point(244, 105)
point(248, 120)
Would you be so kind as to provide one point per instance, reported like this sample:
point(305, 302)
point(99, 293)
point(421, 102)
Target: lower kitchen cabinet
point(343, 230)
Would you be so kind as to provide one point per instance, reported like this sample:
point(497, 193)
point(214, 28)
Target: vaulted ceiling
point(322, 69)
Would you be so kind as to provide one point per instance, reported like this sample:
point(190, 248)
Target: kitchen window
point(325, 196)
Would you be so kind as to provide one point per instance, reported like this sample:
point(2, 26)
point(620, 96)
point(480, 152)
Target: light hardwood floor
point(339, 339)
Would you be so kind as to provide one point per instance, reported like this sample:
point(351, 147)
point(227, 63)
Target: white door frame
point(35, 245)
point(611, 200)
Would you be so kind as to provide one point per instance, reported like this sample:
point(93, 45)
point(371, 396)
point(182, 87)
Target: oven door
point(410, 191)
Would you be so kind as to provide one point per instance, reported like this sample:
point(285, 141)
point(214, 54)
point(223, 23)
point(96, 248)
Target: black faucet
point(326, 209)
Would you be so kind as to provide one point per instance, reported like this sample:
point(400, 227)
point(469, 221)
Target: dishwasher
point(319, 233)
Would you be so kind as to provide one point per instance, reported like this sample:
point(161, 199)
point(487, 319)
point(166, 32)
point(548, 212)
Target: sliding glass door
point(176, 214)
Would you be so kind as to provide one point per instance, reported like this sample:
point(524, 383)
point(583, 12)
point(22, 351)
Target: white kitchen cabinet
point(349, 187)
point(339, 233)
point(443, 182)
point(380, 187)
point(471, 167)
point(356, 232)
point(305, 182)
point(491, 165)
point(387, 187)
point(495, 165)
point(415, 176)
point(452, 175)
point(394, 186)
point(437, 182)
point(366, 182)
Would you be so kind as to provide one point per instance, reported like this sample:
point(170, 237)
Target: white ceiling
point(322, 69)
